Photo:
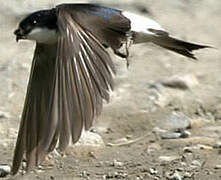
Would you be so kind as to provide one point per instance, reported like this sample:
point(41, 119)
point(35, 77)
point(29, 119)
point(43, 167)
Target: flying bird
point(72, 73)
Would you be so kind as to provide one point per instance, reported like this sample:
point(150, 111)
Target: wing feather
point(36, 122)
point(89, 70)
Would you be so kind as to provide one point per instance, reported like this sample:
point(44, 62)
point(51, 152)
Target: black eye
point(34, 22)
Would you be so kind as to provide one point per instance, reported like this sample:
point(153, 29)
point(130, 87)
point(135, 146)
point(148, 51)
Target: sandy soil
point(140, 104)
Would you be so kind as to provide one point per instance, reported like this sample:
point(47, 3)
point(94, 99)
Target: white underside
point(140, 25)
point(43, 35)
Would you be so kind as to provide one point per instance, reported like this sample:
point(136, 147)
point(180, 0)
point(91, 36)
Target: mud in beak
point(19, 34)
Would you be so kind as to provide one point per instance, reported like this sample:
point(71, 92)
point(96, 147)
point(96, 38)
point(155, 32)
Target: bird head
point(37, 26)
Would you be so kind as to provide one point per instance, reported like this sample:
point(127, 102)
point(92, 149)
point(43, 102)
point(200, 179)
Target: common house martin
point(72, 73)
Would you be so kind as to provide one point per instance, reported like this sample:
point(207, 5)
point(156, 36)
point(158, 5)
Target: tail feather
point(151, 31)
point(181, 47)
point(183, 52)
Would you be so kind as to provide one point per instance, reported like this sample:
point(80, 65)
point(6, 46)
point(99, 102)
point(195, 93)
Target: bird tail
point(181, 47)
point(147, 30)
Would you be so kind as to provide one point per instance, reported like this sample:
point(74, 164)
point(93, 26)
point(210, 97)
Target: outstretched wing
point(35, 121)
point(67, 86)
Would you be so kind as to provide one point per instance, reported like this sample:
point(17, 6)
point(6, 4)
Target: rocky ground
point(164, 118)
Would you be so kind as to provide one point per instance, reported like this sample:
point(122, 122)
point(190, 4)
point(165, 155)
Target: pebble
point(90, 139)
point(87, 146)
point(185, 134)
point(196, 163)
point(4, 170)
point(115, 175)
point(174, 176)
point(100, 129)
point(190, 149)
point(187, 175)
point(168, 158)
point(170, 135)
point(175, 135)
point(217, 145)
point(184, 82)
point(218, 166)
point(180, 169)
point(176, 121)
point(153, 171)
point(165, 134)
point(85, 174)
point(205, 147)
point(117, 163)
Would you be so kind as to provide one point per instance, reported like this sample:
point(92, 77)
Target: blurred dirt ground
point(140, 104)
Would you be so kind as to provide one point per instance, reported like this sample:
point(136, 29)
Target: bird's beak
point(19, 34)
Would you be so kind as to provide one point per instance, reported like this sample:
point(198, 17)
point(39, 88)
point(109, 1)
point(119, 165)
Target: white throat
point(43, 35)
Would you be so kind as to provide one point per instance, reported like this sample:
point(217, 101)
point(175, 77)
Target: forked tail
point(181, 47)
point(147, 30)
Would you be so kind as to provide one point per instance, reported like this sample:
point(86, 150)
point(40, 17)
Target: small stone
point(174, 176)
point(92, 155)
point(170, 135)
point(181, 82)
point(87, 146)
point(168, 158)
point(188, 149)
point(187, 175)
point(90, 139)
point(185, 134)
point(117, 163)
point(183, 164)
point(100, 129)
point(180, 169)
point(84, 174)
point(196, 163)
point(153, 171)
point(218, 166)
point(217, 145)
point(205, 147)
point(176, 121)
point(4, 170)
point(175, 135)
